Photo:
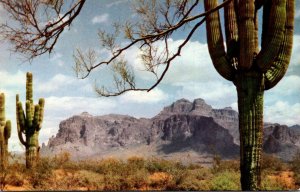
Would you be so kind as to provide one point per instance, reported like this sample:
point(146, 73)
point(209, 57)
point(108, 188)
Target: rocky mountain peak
point(183, 126)
point(201, 108)
point(184, 106)
point(86, 114)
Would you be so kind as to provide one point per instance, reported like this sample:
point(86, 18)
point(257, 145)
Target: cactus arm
point(21, 123)
point(41, 116)
point(280, 65)
point(231, 29)
point(29, 91)
point(2, 109)
point(274, 35)
point(36, 117)
point(246, 28)
point(21, 117)
point(215, 42)
point(7, 130)
point(29, 123)
point(29, 116)
point(20, 135)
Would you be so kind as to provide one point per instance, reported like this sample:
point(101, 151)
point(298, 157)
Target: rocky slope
point(282, 140)
point(191, 130)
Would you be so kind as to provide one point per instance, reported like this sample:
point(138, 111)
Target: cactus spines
point(5, 131)
point(251, 70)
point(29, 123)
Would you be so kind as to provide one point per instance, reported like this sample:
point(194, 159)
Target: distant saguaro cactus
point(5, 131)
point(30, 123)
point(251, 70)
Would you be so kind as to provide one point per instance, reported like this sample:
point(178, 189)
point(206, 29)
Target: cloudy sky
point(190, 76)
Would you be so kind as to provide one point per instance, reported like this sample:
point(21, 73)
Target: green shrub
point(227, 180)
point(112, 182)
point(195, 180)
point(136, 180)
point(110, 166)
point(271, 184)
point(90, 180)
point(136, 163)
point(295, 167)
point(161, 165)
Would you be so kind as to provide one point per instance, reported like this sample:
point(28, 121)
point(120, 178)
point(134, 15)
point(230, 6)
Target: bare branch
point(33, 35)
point(158, 21)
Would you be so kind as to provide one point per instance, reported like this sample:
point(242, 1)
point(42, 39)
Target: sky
point(190, 76)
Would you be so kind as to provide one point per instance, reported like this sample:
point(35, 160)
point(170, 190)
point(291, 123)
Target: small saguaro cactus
point(5, 131)
point(30, 123)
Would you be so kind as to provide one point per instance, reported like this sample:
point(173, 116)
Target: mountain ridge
point(184, 127)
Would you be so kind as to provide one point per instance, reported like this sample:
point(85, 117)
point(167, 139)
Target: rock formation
point(184, 127)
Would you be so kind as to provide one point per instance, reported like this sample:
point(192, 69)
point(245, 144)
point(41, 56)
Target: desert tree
point(251, 67)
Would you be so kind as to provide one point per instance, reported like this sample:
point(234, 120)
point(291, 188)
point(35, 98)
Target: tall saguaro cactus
point(5, 131)
point(251, 70)
point(30, 123)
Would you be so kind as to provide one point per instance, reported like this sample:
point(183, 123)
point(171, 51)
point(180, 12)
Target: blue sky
point(190, 76)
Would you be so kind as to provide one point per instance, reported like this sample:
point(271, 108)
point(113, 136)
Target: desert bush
point(110, 166)
point(62, 158)
point(227, 180)
point(226, 165)
point(137, 180)
point(15, 179)
point(161, 181)
point(270, 163)
point(195, 180)
point(136, 163)
point(39, 176)
point(295, 167)
point(268, 183)
point(112, 182)
point(162, 165)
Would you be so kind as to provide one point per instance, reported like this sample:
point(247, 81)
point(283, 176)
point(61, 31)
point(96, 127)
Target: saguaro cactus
point(30, 123)
point(5, 131)
point(251, 70)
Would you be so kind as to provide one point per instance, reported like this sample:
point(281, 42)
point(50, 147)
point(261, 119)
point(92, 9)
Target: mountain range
point(185, 131)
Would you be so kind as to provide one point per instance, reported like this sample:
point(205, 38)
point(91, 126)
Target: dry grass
point(60, 173)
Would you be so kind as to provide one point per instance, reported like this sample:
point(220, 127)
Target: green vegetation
point(296, 168)
point(30, 124)
point(136, 173)
point(5, 131)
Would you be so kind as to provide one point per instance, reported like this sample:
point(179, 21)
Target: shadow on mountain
point(199, 134)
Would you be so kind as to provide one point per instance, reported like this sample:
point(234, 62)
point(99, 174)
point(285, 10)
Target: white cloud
point(12, 80)
point(57, 82)
point(287, 86)
point(153, 96)
point(217, 93)
point(115, 3)
point(100, 18)
point(297, 14)
point(295, 59)
point(75, 105)
point(194, 64)
point(283, 112)
point(56, 59)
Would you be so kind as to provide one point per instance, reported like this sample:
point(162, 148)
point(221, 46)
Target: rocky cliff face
point(282, 140)
point(183, 127)
point(227, 117)
point(88, 135)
